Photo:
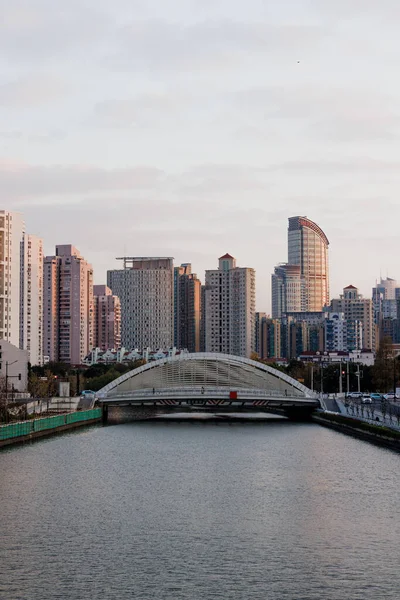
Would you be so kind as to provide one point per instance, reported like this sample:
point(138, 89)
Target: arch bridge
point(209, 381)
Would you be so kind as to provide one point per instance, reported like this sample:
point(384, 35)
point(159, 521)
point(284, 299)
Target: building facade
point(107, 319)
point(308, 248)
point(356, 308)
point(187, 308)
point(68, 306)
point(341, 334)
point(16, 371)
point(259, 326)
point(12, 229)
point(230, 309)
point(31, 308)
point(145, 287)
point(288, 290)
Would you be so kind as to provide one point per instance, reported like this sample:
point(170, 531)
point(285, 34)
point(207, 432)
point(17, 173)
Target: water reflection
point(199, 511)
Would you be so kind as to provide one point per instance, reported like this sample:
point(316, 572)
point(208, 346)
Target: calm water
point(200, 511)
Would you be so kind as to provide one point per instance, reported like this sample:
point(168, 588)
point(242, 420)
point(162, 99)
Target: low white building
point(13, 367)
point(362, 357)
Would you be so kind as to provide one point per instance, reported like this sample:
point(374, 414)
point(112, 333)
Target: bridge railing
point(205, 392)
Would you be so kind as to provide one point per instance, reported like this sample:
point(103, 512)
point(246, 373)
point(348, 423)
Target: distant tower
point(187, 302)
point(308, 248)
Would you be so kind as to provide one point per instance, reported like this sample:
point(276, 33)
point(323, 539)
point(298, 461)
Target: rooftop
point(226, 256)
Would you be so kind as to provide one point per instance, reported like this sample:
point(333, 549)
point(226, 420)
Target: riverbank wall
point(26, 431)
point(377, 434)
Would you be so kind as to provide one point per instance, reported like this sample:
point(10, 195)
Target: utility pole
point(340, 379)
point(358, 378)
point(312, 378)
point(348, 376)
point(322, 378)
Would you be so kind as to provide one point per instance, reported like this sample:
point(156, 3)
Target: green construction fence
point(22, 428)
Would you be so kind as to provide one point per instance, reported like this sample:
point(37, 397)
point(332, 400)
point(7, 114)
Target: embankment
point(377, 434)
point(26, 431)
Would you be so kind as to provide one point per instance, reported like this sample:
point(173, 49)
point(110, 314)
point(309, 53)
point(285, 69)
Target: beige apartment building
point(229, 296)
point(107, 318)
point(12, 229)
point(31, 312)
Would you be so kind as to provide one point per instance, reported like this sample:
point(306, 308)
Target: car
point(392, 397)
point(354, 395)
point(376, 396)
point(366, 400)
point(88, 393)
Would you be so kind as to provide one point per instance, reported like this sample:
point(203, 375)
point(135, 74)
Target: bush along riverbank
point(377, 434)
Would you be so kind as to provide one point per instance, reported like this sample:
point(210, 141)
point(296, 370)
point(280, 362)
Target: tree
point(386, 367)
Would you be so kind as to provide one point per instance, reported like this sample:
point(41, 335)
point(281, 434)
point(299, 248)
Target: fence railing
point(23, 428)
point(189, 392)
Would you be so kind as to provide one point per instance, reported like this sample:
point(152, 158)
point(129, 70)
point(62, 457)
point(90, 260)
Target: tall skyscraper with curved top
point(308, 248)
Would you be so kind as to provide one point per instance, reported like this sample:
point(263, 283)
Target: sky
point(192, 128)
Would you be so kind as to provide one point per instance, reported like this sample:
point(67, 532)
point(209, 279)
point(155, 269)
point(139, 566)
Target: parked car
point(366, 399)
point(354, 395)
point(392, 397)
point(376, 396)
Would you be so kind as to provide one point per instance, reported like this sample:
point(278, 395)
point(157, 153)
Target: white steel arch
point(204, 369)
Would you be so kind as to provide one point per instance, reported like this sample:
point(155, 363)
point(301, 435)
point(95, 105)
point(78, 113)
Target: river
point(198, 511)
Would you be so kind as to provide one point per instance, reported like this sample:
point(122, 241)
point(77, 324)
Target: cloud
point(42, 30)
point(18, 179)
point(140, 110)
point(386, 10)
point(335, 113)
point(33, 91)
point(153, 44)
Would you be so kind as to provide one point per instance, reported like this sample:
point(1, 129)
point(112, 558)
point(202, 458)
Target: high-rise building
point(385, 297)
point(107, 318)
point(12, 229)
point(31, 308)
point(68, 306)
point(145, 287)
point(341, 334)
point(267, 336)
point(187, 302)
point(301, 332)
point(356, 308)
point(288, 291)
point(260, 318)
point(230, 308)
point(308, 248)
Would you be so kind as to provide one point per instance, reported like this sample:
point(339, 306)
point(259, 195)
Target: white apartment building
point(230, 308)
point(31, 309)
point(12, 228)
point(356, 308)
point(145, 287)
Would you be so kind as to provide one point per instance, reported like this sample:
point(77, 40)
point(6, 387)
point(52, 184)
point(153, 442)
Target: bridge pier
point(299, 413)
point(104, 414)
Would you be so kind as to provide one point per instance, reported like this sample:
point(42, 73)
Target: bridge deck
point(207, 396)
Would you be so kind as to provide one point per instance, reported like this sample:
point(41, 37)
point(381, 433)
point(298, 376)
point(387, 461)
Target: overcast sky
point(191, 128)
